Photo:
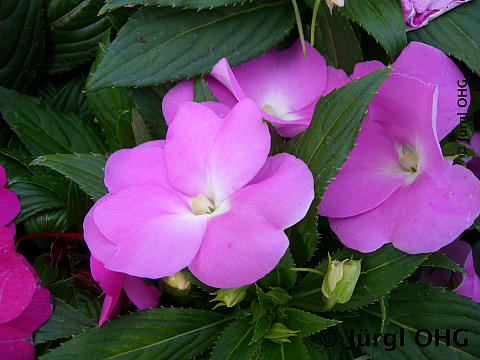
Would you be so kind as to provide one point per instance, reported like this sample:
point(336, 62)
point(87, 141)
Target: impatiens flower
point(467, 284)
point(24, 302)
point(285, 85)
point(474, 162)
point(208, 197)
point(418, 13)
point(9, 204)
point(142, 295)
point(335, 2)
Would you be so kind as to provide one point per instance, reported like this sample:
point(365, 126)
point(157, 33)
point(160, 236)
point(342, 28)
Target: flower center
point(269, 110)
point(201, 205)
point(409, 159)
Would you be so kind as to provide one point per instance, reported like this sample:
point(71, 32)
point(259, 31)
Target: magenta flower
point(142, 295)
point(9, 204)
point(24, 302)
point(467, 284)
point(418, 13)
point(208, 198)
point(396, 186)
point(285, 85)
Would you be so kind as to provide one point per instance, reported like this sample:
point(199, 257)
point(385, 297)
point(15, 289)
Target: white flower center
point(408, 159)
point(201, 205)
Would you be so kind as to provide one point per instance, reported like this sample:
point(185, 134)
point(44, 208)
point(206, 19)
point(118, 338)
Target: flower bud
point(279, 333)
point(229, 297)
point(331, 3)
point(177, 283)
point(340, 280)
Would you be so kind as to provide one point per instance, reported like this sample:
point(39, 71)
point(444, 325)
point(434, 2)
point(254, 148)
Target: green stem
point(314, 18)
point(300, 27)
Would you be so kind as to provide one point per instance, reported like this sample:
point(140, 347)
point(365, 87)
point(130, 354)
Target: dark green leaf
point(163, 44)
point(288, 351)
point(440, 260)
point(125, 135)
point(140, 130)
point(316, 352)
point(282, 276)
point(266, 302)
point(454, 148)
point(64, 322)
point(261, 327)
point(160, 334)
point(335, 38)
point(382, 271)
point(455, 33)
point(47, 221)
point(86, 170)
point(71, 98)
point(306, 322)
point(383, 19)
point(201, 91)
point(74, 32)
point(21, 31)
point(234, 342)
point(44, 129)
point(78, 204)
point(192, 4)
point(45, 271)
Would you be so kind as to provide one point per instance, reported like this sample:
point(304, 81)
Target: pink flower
point(24, 302)
point(467, 284)
point(473, 163)
point(335, 2)
point(285, 85)
point(142, 295)
point(396, 186)
point(208, 198)
point(9, 204)
point(418, 13)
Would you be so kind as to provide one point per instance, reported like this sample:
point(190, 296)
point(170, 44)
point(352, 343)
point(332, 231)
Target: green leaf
point(335, 38)
point(266, 302)
point(125, 134)
point(78, 204)
point(64, 322)
point(201, 91)
point(382, 271)
point(316, 352)
point(295, 350)
point(44, 129)
point(71, 98)
point(325, 145)
point(453, 148)
point(440, 260)
point(74, 32)
point(414, 307)
point(261, 327)
point(163, 44)
point(45, 271)
point(383, 19)
point(86, 170)
point(21, 31)
point(233, 343)
point(160, 334)
point(455, 33)
point(306, 322)
point(140, 130)
point(47, 221)
point(188, 4)
point(476, 224)
point(282, 276)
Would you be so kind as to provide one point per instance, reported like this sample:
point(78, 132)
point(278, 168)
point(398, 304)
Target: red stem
point(73, 236)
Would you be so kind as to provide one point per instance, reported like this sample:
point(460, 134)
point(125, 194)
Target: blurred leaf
point(233, 343)
point(282, 276)
point(45, 271)
point(140, 130)
point(158, 334)
point(306, 322)
point(78, 205)
point(124, 130)
point(44, 129)
point(21, 31)
point(74, 32)
point(86, 170)
point(71, 98)
point(288, 351)
point(65, 321)
point(163, 44)
point(455, 33)
point(47, 221)
point(189, 4)
point(383, 19)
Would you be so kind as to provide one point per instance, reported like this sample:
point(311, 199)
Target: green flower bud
point(229, 297)
point(279, 333)
point(177, 283)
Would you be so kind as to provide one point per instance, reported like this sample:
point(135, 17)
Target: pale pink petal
point(365, 68)
point(110, 281)
point(101, 247)
point(222, 72)
point(16, 344)
point(369, 176)
point(9, 206)
point(432, 66)
point(212, 156)
point(143, 165)
point(239, 248)
point(336, 78)
point(282, 191)
point(142, 295)
point(175, 97)
point(434, 210)
point(149, 224)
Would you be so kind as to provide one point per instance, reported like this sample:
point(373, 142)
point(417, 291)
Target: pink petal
point(3, 176)
point(223, 73)
point(110, 308)
point(212, 156)
point(175, 97)
point(365, 68)
point(221, 92)
point(154, 143)
point(16, 344)
point(142, 295)
point(445, 205)
point(365, 181)
point(11, 228)
point(336, 78)
point(9, 206)
point(102, 248)
point(470, 285)
point(432, 66)
point(239, 248)
point(7, 249)
point(144, 165)
point(281, 192)
point(110, 281)
point(148, 225)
